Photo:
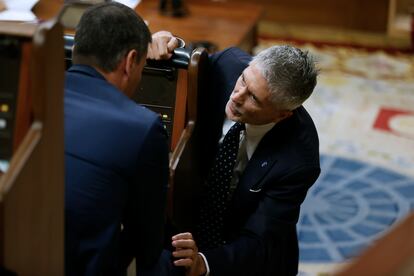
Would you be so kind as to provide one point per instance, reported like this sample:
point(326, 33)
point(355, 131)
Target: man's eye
point(242, 78)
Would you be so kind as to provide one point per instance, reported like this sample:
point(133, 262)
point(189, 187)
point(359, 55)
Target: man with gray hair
point(261, 154)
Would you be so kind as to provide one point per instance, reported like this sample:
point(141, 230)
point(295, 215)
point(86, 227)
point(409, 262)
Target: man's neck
point(114, 78)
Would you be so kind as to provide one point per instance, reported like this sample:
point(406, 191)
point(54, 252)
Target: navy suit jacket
point(116, 158)
point(260, 226)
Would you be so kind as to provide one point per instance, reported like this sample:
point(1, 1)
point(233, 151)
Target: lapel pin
point(264, 164)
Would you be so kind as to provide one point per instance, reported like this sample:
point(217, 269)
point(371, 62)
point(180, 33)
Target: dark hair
point(290, 73)
point(105, 34)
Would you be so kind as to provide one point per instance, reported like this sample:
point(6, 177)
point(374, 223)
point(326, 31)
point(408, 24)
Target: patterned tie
point(214, 205)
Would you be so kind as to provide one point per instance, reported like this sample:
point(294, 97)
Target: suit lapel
point(260, 163)
point(256, 169)
point(267, 154)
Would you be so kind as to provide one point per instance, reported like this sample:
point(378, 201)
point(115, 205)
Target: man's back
point(116, 165)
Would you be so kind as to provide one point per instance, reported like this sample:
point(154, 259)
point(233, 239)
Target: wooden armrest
point(20, 158)
point(393, 254)
point(174, 161)
point(183, 165)
point(182, 142)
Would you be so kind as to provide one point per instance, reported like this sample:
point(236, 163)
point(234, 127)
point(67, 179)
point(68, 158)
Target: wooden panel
point(23, 110)
point(32, 189)
point(180, 107)
point(370, 15)
point(405, 6)
point(23, 30)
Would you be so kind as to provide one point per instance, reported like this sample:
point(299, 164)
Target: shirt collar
point(258, 130)
point(253, 134)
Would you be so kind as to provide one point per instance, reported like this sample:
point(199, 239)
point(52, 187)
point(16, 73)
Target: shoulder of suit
point(300, 121)
point(144, 113)
point(232, 54)
point(303, 114)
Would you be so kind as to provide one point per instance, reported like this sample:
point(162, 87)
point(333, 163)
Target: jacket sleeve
point(143, 224)
point(269, 231)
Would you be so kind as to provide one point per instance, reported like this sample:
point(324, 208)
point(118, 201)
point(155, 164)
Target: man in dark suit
point(116, 151)
point(252, 230)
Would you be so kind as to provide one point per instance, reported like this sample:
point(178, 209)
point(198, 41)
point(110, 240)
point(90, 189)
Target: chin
point(234, 118)
point(230, 115)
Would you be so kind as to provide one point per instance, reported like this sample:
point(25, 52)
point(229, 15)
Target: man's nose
point(238, 95)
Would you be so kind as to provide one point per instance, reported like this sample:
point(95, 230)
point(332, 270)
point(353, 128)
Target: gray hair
point(290, 74)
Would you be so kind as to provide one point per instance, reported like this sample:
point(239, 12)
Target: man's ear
point(130, 61)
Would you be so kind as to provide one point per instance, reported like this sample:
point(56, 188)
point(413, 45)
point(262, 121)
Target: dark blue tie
point(214, 205)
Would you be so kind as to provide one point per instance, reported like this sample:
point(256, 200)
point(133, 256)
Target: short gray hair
point(290, 74)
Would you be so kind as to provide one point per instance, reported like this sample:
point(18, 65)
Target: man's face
point(250, 100)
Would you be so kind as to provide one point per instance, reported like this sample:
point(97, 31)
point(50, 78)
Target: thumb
point(172, 44)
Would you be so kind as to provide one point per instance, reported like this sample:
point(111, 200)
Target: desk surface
point(225, 24)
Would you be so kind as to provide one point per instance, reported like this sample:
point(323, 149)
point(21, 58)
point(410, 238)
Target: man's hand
point(186, 254)
point(162, 46)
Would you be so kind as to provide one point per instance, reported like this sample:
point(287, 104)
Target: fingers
point(185, 257)
point(184, 244)
point(184, 262)
point(162, 49)
point(186, 249)
point(172, 44)
point(150, 54)
point(162, 46)
point(162, 34)
point(184, 241)
point(183, 253)
point(180, 236)
point(153, 50)
point(158, 49)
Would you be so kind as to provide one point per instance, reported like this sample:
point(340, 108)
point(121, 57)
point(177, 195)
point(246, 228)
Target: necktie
point(214, 205)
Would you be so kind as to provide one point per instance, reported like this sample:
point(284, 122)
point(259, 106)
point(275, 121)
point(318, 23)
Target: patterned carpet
point(363, 107)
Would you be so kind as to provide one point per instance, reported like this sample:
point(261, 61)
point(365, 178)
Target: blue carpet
point(350, 205)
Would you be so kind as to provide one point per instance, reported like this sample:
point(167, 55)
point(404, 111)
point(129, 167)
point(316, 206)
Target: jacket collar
point(86, 70)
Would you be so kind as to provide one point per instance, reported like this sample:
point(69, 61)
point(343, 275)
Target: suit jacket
point(116, 158)
point(260, 226)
